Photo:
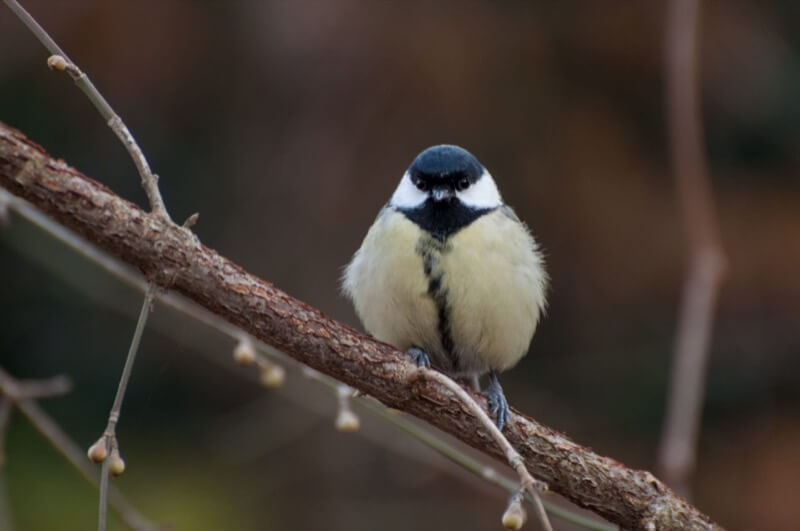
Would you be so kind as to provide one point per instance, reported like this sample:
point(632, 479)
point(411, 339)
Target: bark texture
point(175, 259)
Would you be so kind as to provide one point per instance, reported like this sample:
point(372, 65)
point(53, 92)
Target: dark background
point(288, 124)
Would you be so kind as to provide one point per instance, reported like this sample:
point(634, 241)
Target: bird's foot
point(420, 357)
point(498, 405)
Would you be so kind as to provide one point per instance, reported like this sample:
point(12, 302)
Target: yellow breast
point(389, 288)
point(496, 283)
point(471, 302)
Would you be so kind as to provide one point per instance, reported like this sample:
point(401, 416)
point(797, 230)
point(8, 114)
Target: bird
point(449, 274)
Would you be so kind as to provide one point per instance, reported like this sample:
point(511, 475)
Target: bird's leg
point(420, 357)
point(498, 405)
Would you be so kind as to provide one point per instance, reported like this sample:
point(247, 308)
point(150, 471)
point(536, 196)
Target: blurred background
point(287, 125)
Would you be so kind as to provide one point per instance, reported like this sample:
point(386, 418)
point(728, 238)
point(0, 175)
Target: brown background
point(288, 124)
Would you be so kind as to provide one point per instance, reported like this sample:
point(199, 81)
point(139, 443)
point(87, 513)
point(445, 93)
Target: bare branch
point(129, 515)
point(35, 389)
point(528, 485)
point(112, 462)
point(165, 253)
point(59, 61)
point(676, 457)
point(470, 463)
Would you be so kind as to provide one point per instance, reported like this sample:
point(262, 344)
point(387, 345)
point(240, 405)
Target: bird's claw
point(498, 405)
point(420, 357)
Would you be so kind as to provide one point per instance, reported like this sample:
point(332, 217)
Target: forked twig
point(107, 448)
point(528, 484)
point(59, 440)
point(60, 61)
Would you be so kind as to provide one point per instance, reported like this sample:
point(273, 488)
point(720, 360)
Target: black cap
point(445, 163)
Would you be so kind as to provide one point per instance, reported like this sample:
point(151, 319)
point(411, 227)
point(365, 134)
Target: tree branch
point(174, 259)
point(59, 61)
point(270, 361)
point(706, 266)
point(18, 392)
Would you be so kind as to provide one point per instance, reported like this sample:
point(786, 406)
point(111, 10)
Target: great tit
point(449, 273)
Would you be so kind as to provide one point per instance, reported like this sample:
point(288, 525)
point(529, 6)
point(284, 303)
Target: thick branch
point(173, 258)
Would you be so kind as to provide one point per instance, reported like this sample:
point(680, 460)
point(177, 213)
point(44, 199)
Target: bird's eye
point(422, 185)
point(462, 184)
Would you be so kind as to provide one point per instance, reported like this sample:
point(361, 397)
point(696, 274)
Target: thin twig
point(528, 484)
point(59, 440)
point(38, 389)
point(60, 61)
point(129, 515)
point(197, 313)
point(677, 452)
point(149, 179)
point(19, 390)
point(128, 368)
point(471, 464)
point(105, 474)
point(110, 435)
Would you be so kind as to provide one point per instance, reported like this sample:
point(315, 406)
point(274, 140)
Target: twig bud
point(98, 451)
point(272, 375)
point(347, 421)
point(244, 354)
point(56, 63)
point(117, 464)
point(191, 220)
point(515, 515)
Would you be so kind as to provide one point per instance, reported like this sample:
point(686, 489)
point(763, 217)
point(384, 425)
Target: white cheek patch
point(407, 195)
point(481, 194)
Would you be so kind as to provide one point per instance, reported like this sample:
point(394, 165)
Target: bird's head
point(446, 175)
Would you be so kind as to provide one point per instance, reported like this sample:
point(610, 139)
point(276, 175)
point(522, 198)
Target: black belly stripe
point(430, 250)
point(444, 330)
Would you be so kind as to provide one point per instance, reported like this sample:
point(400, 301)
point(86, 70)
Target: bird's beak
point(441, 193)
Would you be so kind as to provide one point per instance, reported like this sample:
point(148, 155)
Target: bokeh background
point(288, 124)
